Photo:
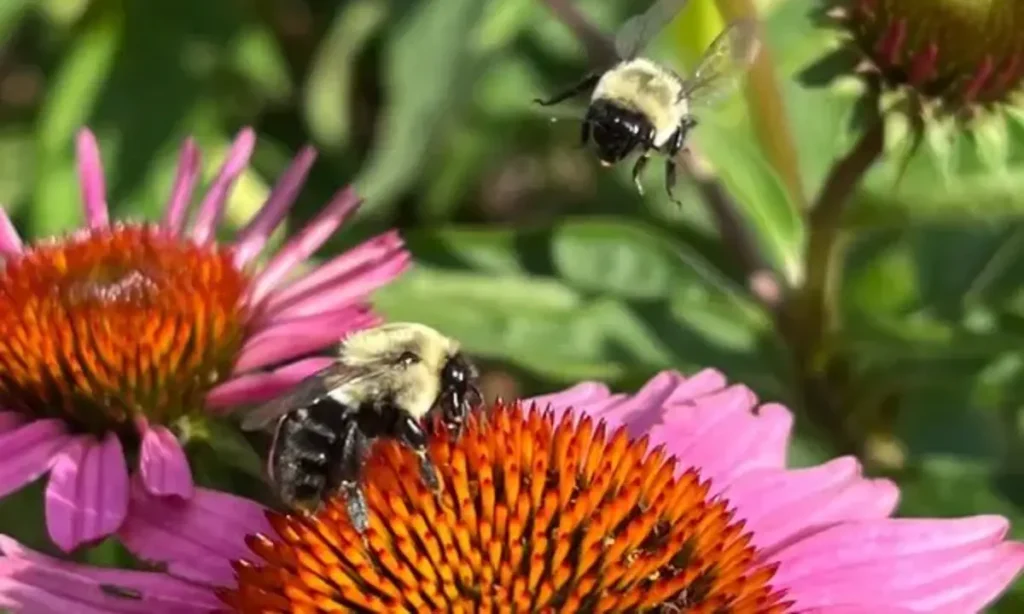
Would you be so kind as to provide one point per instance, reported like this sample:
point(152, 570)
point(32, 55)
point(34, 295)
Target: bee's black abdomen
point(307, 446)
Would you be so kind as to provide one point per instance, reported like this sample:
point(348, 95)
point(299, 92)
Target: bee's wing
point(726, 59)
point(637, 31)
point(304, 393)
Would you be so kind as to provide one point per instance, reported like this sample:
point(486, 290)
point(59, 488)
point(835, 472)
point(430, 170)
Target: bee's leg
point(411, 433)
point(671, 167)
point(353, 451)
point(588, 82)
point(638, 168)
point(584, 133)
point(675, 145)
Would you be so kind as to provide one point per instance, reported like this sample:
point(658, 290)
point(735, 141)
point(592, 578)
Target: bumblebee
point(639, 104)
point(385, 383)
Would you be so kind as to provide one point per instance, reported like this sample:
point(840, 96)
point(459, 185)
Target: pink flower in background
point(113, 333)
point(552, 509)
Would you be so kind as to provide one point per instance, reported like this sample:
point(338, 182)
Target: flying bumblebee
point(640, 104)
point(385, 383)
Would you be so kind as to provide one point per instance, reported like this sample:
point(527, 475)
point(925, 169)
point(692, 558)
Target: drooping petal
point(928, 565)
point(33, 582)
point(163, 465)
point(28, 452)
point(10, 420)
point(91, 180)
point(212, 207)
point(87, 496)
point(184, 183)
point(197, 539)
point(301, 336)
point(347, 277)
point(304, 243)
point(260, 387)
point(779, 505)
point(253, 237)
point(10, 240)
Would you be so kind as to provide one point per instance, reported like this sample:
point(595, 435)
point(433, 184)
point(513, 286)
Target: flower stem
point(809, 320)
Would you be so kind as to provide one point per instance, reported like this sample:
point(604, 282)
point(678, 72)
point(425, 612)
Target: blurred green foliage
point(549, 268)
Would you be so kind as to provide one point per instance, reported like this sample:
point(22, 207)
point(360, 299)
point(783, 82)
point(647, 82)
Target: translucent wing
point(306, 392)
point(637, 31)
point(727, 59)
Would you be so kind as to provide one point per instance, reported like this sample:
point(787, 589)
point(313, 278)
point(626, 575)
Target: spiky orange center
point(115, 323)
point(963, 51)
point(533, 517)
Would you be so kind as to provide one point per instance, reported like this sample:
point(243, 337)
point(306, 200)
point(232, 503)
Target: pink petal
point(87, 496)
point(301, 336)
point(740, 443)
point(90, 178)
point(303, 244)
point(260, 387)
point(354, 289)
point(162, 464)
point(578, 398)
point(656, 400)
point(253, 237)
point(861, 609)
point(28, 452)
point(181, 191)
point(212, 207)
point(928, 565)
point(33, 582)
point(197, 538)
point(726, 433)
point(780, 505)
point(348, 269)
point(10, 240)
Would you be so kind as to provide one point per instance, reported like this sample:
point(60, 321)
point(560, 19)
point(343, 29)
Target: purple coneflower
point(676, 499)
point(112, 334)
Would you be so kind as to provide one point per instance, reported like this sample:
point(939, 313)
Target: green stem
point(768, 110)
point(809, 320)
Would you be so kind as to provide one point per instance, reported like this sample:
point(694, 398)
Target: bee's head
point(616, 130)
point(459, 392)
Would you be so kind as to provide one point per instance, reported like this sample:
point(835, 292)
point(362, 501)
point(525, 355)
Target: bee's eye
point(408, 358)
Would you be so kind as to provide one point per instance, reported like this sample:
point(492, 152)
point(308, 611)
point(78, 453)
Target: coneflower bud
point(958, 53)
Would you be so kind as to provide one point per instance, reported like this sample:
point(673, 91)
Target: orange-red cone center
point(534, 517)
point(116, 323)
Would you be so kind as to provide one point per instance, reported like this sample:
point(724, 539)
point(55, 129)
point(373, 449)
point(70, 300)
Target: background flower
point(724, 523)
point(119, 332)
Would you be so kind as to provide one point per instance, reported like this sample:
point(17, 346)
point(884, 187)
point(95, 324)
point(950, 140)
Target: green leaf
point(761, 196)
point(586, 299)
point(11, 13)
point(328, 99)
point(79, 82)
point(957, 174)
point(428, 66)
point(227, 442)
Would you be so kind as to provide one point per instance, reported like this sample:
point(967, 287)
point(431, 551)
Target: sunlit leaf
point(329, 87)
